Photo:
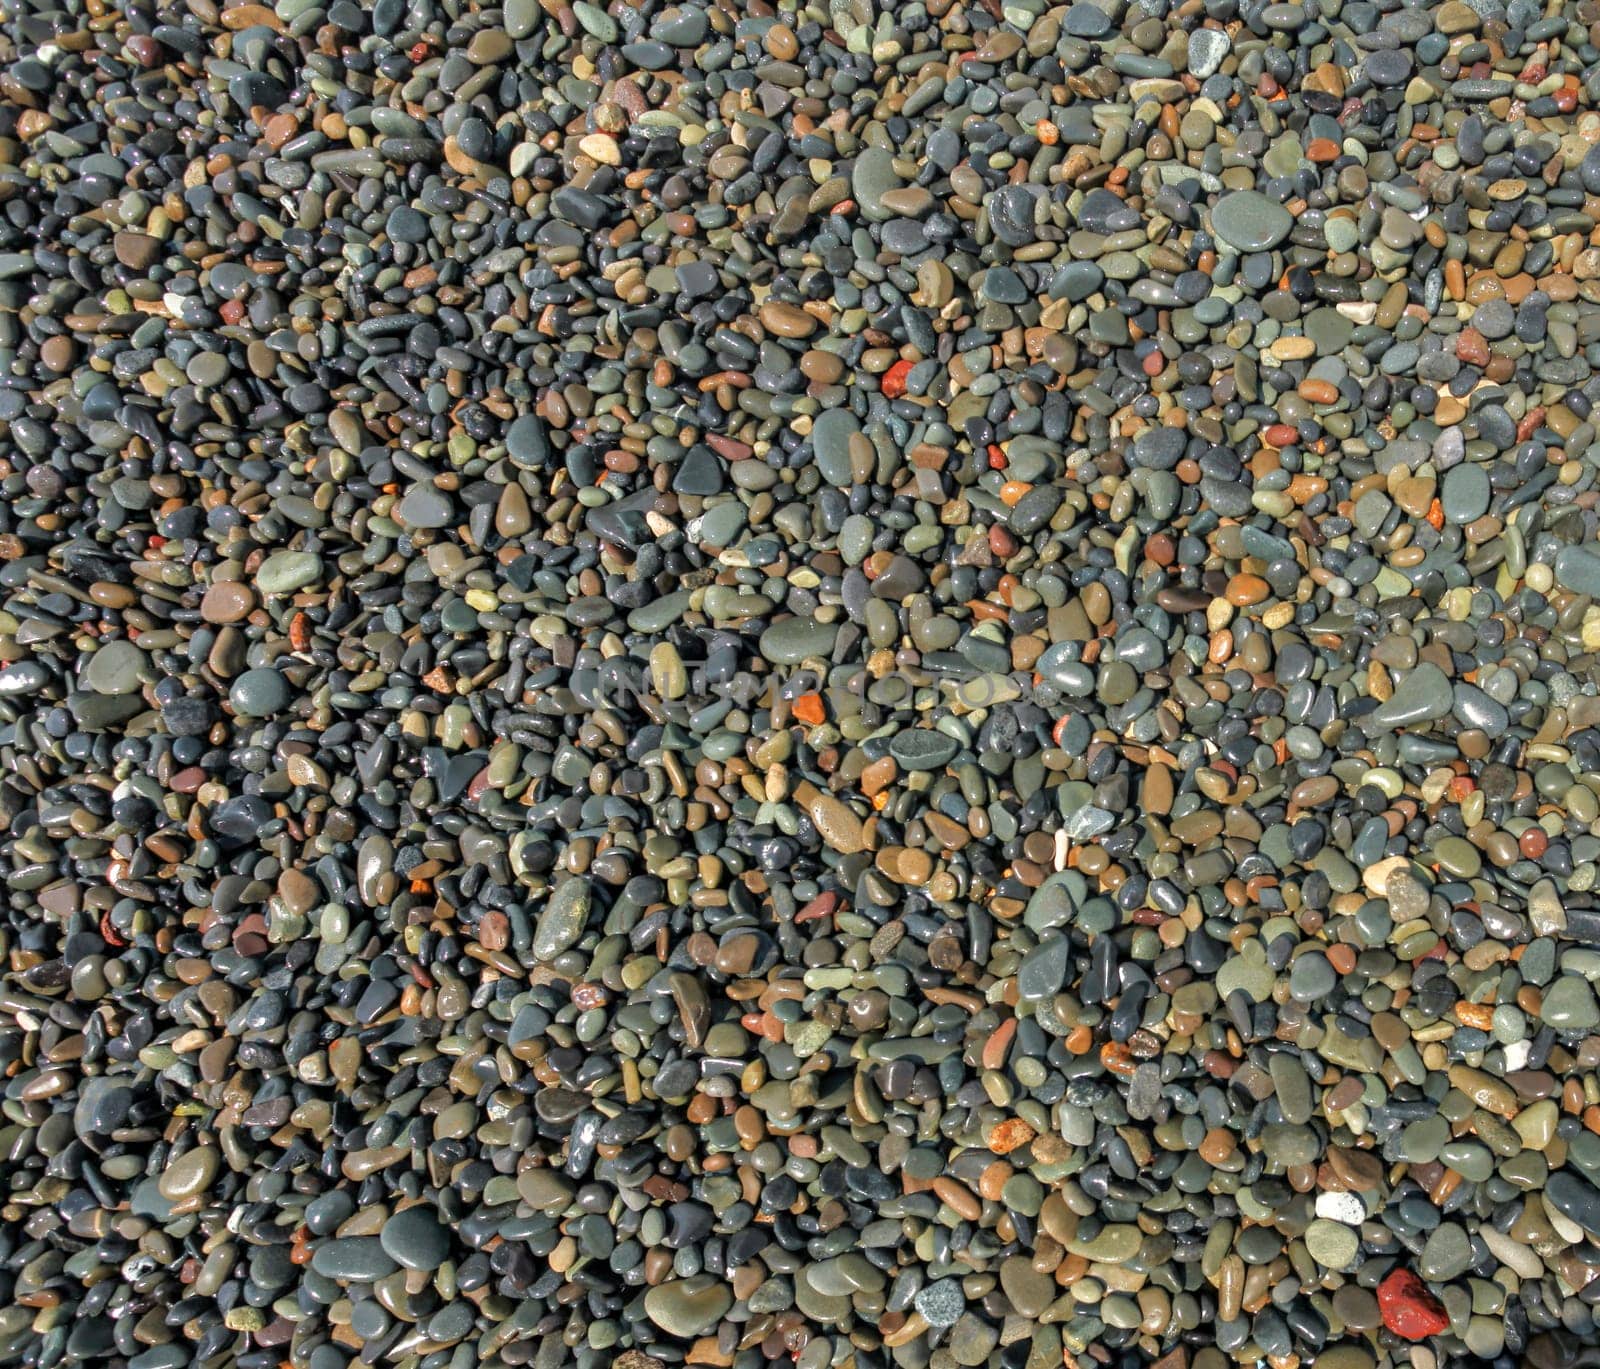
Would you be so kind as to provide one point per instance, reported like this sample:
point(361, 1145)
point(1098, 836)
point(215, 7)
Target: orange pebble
point(1244, 590)
point(809, 710)
point(992, 1182)
point(894, 380)
point(994, 1049)
point(1117, 1058)
point(1010, 1135)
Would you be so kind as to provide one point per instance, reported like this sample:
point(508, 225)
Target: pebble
point(563, 920)
point(284, 572)
point(1569, 1005)
point(1207, 49)
point(1576, 1199)
point(1248, 221)
point(415, 1239)
point(117, 667)
point(941, 1303)
point(260, 693)
point(688, 1307)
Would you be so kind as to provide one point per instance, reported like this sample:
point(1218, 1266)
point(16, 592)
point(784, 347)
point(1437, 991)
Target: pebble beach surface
point(887, 686)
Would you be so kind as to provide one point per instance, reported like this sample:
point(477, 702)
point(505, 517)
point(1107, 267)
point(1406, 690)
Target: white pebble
point(1342, 1207)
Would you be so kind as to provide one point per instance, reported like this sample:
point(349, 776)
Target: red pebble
point(894, 380)
point(1409, 1310)
point(821, 906)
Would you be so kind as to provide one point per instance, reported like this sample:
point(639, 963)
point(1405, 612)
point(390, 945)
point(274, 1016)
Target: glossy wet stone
point(687, 1307)
point(1249, 222)
point(414, 1239)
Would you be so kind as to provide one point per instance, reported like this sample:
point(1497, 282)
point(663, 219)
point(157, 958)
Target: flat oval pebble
point(830, 439)
point(1249, 222)
point(286, 571)
point(117, 667)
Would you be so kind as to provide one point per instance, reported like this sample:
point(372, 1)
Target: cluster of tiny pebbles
point(866, 684)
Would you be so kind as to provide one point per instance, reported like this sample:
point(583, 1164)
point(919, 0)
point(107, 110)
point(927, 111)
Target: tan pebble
point(1293, 348)
point(1376, 876)
point(602, 147)
point(837, 824)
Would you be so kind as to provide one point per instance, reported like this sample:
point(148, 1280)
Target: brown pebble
point(58, 353)
point(782, 43)
point(786, 320)
point(227, 601)
point(136, 251)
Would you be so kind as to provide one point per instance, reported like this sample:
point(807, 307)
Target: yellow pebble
point(602, 147)
point(1293, 348)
